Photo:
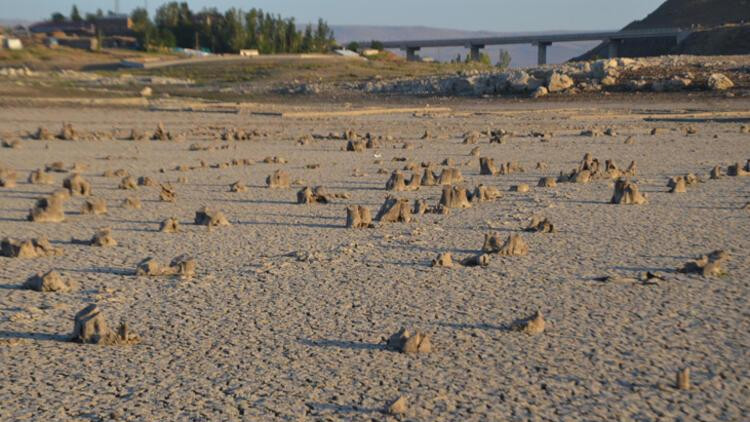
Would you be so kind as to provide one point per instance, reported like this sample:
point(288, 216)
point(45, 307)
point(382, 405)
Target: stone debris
point(539, 225)
point(167, 193)
point(169, 225)
point(48, 210)
point(405, 342)
point(90, 327)
point(626, 192)
point(32, 248)
point(531, 325)
point(394, 210)
point(128, 183)
point(707, 265)
point(278, 180)
point(210, 217)
point(444, 260)
point(40, 177)
point(132, 202)
point(397, 407)
point(358, 217)
point(77, 185)
point(454, 197)
point(514, 245)
point(94, 206)
point(50, 281)
point(237, 187)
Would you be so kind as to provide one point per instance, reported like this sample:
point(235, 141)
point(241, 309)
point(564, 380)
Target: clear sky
point(491, 15)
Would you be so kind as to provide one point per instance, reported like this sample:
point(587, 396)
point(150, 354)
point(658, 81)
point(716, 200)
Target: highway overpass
point(542, 41)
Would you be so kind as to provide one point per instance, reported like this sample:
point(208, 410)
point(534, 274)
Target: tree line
point(176, 25)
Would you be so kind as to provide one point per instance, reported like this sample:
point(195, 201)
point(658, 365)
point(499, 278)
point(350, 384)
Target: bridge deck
point(530, 39)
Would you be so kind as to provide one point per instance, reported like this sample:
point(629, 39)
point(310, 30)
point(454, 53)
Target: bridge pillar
point(476, 52)
point(541, 54)
point(614, 48)
point(411, 53)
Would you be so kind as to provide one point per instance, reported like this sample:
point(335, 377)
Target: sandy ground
point(262, 335)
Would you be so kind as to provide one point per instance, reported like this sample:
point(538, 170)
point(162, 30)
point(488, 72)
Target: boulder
point(210, 217)
point(90, 327)
point(514, 245)
point(707, 265)
point(40, 177)
point(394, 210)
point(278, 180)
point(169, 225)
point(484, 193)
point(454, 197)
point(450, 176)
point(50, 281)
point(405, 342)
point(48, 210)
point(358, 217)
point(444, 260)
point(532, 325)
point(167, 193)
point(237, 187)
point(487, 167)
point(132, 203)
point(77, 185)
point(94, 206)
point(719, 82)
point(626, 192)
point(559, 82)
point(540, 225)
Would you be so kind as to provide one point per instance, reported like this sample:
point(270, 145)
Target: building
point(114, 25)
point(83, 43)
point(84, 29)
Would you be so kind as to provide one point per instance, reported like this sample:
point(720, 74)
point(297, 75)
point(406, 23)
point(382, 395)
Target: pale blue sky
point(492, 15)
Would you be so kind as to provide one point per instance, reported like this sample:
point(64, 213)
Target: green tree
point(376, 45)
point(484, 58)
point(75, 16)
point(233, 31)
point(58, 17)
point(353, 46)
point(505, 59)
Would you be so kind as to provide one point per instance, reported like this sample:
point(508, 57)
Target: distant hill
point(523, 55)
point(727, 20)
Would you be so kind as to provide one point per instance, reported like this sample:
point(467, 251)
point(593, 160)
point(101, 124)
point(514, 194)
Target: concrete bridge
point(475, 45)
